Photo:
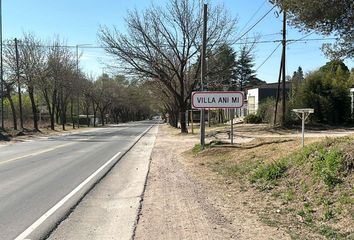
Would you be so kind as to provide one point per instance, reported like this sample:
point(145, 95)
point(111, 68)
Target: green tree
point(296, 81)
point(326, 17)
point(245, 74)
point(327, 92)
point(221, 68)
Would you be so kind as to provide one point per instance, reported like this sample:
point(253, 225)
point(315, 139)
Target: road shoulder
point(111, 208)
point(178, 204)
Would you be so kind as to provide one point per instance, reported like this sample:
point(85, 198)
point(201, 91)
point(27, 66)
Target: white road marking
point(36, 153)
point(40, 220)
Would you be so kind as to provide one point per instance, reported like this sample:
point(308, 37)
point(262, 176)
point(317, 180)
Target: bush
point(266, 110)
point(252, 118)
point(327, 165)
point(269, 172)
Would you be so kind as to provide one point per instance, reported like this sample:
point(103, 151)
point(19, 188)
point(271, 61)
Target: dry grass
point(298, 201)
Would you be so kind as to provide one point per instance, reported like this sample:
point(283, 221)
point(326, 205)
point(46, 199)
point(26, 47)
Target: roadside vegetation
point(45, 88)
point(309, 192)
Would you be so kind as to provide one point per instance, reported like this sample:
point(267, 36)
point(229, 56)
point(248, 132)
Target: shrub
point(269, 172)
point(266, 110)
point(253, 118)
point(327, 165)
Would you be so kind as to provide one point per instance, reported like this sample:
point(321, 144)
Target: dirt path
point(179, 205)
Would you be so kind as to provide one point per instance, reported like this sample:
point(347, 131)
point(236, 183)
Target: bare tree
point(10, 82)
point(161, 41)
point(32, 63)
point(58, 82)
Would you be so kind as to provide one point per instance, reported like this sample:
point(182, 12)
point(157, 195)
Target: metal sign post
point(218, 100)
point(232, 113)
point(303, 113)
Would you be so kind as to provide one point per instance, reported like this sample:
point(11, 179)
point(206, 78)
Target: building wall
point(352, 100)
point(252, 100)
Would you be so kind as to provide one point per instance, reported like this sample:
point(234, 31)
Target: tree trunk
point(34, 107)
point(51, 107)
point(182, 119)
point(102, 117)
point(94, 114)
point(72, 112)
point(62, 110)
point(20, 106)
point(87, 116)
point(13, 110)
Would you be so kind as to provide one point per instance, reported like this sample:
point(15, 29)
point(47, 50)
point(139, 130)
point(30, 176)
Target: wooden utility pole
point(202, 112)
point(19, 84)
point(78, 92)
point(283, 69)
point(278, 92)
point(1, 72)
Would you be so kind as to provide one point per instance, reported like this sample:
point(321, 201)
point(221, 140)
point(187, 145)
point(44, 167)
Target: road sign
point(303, 113)
point(227, 99)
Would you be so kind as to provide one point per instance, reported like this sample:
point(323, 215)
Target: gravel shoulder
point(181, 204)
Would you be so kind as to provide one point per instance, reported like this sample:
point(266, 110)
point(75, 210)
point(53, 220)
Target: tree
point(221, 68)
point(32, 64)
point(325, 17)
point(56, 83)
point(327, 91)
point(296, 81)
point(10, 73)
point(245, 73)
point(162, 41)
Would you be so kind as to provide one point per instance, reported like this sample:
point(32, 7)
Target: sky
point(77, 23)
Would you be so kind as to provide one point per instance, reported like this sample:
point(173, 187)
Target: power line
point(271, 54)
point(307, 35)
point(259, 20)
point(300, 40)
point(251, 18)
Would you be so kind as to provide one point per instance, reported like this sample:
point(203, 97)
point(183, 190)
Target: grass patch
point(315, 182)
point(327, 164)
point(269, 172)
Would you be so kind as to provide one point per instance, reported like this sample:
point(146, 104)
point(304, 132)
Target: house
point(256, 95)
point(352, 99)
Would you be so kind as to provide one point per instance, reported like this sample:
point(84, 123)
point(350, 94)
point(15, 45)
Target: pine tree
point(221, 68)
point(296, 81)
point(245, 74)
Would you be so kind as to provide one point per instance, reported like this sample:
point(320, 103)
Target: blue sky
point(77, 22)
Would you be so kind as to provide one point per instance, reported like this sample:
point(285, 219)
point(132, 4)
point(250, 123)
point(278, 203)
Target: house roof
point(271, 86)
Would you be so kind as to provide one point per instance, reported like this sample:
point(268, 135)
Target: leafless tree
point(57, 85)
point(32, 62)
point(161, 41)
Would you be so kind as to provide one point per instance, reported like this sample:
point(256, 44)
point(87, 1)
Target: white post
point(305, 113)
point(232, 126)
point(303, 129)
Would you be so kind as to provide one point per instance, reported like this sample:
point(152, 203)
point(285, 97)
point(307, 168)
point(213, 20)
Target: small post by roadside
point(192, 126)
point(232, 112)
point(303, 113)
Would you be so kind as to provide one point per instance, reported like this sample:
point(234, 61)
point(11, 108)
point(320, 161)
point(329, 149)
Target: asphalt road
point(41, 180)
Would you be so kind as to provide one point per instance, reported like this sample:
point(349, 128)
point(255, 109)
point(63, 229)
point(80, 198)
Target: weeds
point(326, 165)
point(269, 172)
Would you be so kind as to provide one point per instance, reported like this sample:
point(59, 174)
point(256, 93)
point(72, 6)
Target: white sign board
point(229, 99)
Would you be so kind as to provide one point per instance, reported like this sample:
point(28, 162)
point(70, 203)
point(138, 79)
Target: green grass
point(312, 182)
point(269, 172)
point(327, 164)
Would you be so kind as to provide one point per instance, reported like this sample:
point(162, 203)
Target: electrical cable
point(271, 54)
point(251, 18)
point(259, 20)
